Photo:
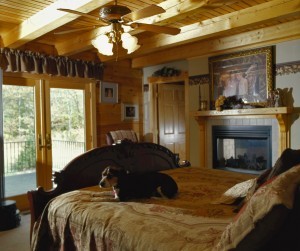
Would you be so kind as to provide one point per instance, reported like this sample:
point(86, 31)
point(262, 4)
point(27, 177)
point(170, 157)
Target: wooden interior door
point(171, 117)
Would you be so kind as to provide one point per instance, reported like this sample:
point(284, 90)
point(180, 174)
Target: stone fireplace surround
point(277, 117)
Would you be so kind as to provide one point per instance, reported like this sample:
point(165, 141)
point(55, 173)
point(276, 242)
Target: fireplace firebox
point(245, 149)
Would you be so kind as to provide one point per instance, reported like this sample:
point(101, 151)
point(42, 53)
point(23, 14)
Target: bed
point(75, 216)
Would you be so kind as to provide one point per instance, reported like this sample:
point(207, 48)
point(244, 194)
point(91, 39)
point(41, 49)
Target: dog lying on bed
point(127, 186)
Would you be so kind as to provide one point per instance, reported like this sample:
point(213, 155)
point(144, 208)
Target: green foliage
point(67, 116)
point(18, 112)
point(26, 159)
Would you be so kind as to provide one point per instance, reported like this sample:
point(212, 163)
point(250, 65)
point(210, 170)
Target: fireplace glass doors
point(242, 148)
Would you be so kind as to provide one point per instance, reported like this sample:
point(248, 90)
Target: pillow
point(288, 236)
point(257, 183)
point(263, 215)
point(287, 160)
point(235, 193)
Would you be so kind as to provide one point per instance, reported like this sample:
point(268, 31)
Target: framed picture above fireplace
point(246, 74)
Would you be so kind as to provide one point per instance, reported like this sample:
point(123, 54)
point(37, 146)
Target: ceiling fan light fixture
point(103, 44)
point(130, 43)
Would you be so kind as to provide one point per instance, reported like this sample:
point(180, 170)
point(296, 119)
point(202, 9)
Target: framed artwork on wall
point(108, 92)
point(130, 112)
point(246, 75)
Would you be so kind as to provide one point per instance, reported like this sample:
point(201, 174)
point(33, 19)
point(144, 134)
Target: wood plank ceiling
point(31, 24)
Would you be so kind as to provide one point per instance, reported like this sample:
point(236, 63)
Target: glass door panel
point(67, 125)
point(45, 126)
point(19, 139)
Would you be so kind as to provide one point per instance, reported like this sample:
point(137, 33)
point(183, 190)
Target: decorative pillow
point(263, 215)
point(236, 192)
point(287, 160)
point(288, 236)
point(124, 134)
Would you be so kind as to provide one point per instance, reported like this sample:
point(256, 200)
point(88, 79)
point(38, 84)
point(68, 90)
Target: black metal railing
point(20, 156)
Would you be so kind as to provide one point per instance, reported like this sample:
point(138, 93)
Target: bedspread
point(191, 221)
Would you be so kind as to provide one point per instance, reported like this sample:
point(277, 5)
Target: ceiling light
point(116, 36)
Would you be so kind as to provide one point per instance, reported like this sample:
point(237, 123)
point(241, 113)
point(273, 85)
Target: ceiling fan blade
point(149, 11)
point(74, 30)
point(156, 28)
point(84, 15)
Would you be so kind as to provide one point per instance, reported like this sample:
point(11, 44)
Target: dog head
point(110, 176)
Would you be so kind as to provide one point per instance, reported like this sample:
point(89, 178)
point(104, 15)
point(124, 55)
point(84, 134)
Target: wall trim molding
point(287, 68)
point(199, 79)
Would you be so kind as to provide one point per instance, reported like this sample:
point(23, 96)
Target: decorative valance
point(33, 62)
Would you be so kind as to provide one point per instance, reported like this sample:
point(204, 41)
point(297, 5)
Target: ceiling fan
point(118, 14)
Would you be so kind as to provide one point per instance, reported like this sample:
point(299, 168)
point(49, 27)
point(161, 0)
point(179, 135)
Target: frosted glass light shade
point(105, 42)
point(130, 43)
point(103, 45)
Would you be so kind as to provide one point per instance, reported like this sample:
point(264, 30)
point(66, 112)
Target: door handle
point(48, 141)
point(40, 142)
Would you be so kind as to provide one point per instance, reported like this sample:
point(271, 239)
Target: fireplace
point(245, 149)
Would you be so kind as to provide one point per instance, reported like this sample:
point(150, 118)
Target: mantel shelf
point(244, 112)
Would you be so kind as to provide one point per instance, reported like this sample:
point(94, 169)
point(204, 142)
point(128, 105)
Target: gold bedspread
point(191, 221)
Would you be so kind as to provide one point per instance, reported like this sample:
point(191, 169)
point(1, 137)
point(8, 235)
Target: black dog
point(129, 186)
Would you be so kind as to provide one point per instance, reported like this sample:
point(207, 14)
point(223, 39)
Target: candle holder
point(202, 105)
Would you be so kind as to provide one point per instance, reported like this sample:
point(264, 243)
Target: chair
point(113, 137)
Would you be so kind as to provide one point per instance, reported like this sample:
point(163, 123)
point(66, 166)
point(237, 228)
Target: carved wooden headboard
point(85, 170)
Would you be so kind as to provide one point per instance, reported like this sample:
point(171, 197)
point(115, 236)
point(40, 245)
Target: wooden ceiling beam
point(173, 8)
point(260, 37)
point(221, 26)
point(47, 20)
point(183, 9)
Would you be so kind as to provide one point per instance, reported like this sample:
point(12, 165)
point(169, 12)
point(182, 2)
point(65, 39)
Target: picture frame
point(130, 112)
point(246, 75)
point(108, 92)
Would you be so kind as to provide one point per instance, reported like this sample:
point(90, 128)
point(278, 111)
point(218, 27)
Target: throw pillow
point(287, 160)
point(236, 192)
point(263, 215)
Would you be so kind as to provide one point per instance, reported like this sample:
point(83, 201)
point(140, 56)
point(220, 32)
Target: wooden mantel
point(280, 113)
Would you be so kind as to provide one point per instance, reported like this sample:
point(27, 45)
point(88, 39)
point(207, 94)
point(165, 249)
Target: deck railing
point(20, 156)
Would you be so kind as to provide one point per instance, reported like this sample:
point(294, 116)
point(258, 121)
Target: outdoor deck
point(20, 163)
point(19, 183)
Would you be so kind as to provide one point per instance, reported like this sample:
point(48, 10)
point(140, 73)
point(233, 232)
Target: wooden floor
point(17, 238)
